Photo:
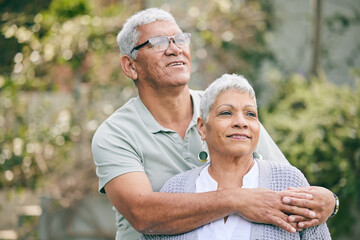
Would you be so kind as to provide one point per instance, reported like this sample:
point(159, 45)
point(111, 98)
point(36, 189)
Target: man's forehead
point(158, 28)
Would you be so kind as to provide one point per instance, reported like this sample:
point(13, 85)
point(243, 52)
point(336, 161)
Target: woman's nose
point(240, 121)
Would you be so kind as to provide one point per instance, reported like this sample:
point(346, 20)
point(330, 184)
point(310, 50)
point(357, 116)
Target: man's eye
point(180, 40)
point(157, 46)
point(158, 41)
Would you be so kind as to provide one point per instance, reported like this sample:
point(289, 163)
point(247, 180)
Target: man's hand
point(322, 204)
point(265, 206)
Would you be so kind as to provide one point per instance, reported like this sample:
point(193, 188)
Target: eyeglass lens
point(162, 43)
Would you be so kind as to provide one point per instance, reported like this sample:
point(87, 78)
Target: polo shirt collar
point(153, 125)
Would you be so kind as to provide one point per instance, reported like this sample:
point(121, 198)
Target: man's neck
point(171, 108)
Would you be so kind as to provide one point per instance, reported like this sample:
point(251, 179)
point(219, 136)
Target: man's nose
point(173, 48)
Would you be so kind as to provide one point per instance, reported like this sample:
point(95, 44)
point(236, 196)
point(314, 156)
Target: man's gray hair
point(225, 82)
point(128, 36)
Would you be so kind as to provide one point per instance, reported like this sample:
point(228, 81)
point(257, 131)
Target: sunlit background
point(60, 77)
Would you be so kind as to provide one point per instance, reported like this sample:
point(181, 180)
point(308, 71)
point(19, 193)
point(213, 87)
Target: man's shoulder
point(122, 120)
point(196, 93)
point(196, 96)
point(126, 113)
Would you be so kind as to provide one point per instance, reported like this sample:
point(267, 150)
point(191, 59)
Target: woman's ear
point(128, 66)
point(201, 128)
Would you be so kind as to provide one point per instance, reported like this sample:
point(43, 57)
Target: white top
point(235, 227)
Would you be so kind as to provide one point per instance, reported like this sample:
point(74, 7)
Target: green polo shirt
point(131, 140)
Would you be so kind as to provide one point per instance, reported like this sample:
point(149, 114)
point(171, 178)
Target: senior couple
point(160, 133)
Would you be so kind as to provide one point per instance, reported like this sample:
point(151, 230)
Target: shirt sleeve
point(114, 153)
point(268, 149)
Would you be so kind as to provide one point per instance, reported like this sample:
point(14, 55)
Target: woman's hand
point(265, 206)
point(322, 204)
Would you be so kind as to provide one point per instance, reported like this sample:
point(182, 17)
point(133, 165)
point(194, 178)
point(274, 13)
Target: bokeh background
point(60, 77)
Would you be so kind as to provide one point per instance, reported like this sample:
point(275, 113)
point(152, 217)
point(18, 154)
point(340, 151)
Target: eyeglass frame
point(169, 40)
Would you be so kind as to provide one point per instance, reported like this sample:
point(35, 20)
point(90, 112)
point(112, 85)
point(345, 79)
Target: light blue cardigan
point(274, 176)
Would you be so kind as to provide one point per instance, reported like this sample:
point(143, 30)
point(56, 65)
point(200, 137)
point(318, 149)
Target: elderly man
point(153, 137)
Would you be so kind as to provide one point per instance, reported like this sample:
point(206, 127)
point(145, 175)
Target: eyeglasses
point(162, 43)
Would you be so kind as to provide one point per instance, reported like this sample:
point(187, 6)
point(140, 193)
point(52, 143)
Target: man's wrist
point(238, 200)
point(336, 207)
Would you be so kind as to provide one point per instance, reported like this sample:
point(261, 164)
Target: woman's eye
point(251, 114)
point(225, 113)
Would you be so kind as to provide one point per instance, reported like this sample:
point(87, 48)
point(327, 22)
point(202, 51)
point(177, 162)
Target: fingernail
point(300, 225)
point(286, 200)
point(293, 230)
point(308, 196)
point(312, 214)
point(291, 219)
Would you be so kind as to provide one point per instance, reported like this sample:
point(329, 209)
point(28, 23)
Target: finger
point(294, 225)
point(309, 223)
point(307, 189)
point(294, 219)
point(295, 210)
point(303, 203)
point(297, 218)
point(284, 225)
point(296, 194)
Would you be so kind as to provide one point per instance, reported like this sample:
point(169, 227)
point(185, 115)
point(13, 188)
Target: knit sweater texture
point(272, 175)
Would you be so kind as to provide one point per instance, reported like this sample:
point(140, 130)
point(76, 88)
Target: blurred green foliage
point(65, 9)
point(228, 36)
point(316, 124)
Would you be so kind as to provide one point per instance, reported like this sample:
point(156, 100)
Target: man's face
point(169, 68)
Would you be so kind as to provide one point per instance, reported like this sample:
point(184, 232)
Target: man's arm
point(172, 213)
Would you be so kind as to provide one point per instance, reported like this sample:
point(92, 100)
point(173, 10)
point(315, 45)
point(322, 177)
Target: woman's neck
point(229, 173)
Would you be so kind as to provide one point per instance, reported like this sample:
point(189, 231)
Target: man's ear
point(128, 66)
point(200, 125)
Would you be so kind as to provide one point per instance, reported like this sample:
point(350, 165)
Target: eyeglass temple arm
point(139, 46)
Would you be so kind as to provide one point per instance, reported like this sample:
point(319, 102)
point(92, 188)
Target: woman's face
point(233, 126)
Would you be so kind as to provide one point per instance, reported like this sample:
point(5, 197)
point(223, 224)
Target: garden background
point(60, 77)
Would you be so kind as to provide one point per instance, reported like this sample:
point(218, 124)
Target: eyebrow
point(232, 106)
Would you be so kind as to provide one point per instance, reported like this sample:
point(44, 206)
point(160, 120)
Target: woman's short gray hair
point(128, 36)
point(225, 82)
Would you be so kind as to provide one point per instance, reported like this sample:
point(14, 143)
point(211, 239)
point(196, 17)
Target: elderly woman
point(229, 124)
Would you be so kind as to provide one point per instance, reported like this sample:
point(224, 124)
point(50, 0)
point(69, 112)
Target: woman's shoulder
point(280, 175)
point(182, 182)
point(277, 166)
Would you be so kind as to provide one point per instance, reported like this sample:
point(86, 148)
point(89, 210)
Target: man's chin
point(181, 79)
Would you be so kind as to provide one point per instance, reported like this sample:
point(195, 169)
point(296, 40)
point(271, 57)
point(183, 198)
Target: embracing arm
point(171, 213)
point(160, 213)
